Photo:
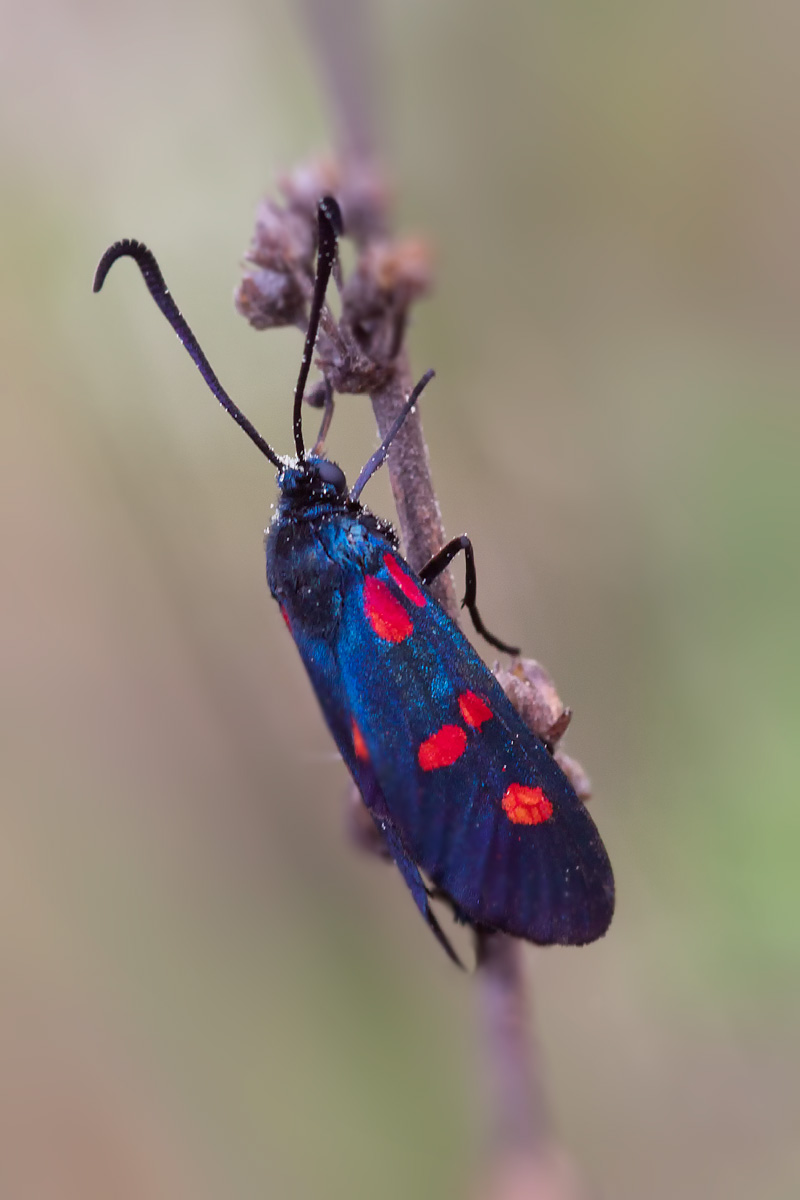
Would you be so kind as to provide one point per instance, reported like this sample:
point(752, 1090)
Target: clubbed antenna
point(151, 272)
point(377, 459)
point(329, 220)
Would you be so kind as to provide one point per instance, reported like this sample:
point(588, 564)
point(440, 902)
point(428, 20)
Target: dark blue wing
point(476, 800)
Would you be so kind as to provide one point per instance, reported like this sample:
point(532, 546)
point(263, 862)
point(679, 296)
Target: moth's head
point(308, 477)
point(313, 479)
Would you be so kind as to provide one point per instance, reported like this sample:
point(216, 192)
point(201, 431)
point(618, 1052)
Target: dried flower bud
point(305, 185)
point(364, 196)
point(283, 240)
point(350, 371)
point(388, 277)
point(268, 299)
point(279, 266)
point(533, 694)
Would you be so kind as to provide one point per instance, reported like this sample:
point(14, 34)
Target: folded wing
point(473, 797)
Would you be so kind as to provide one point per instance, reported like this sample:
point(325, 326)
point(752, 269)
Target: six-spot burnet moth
point(471, 805)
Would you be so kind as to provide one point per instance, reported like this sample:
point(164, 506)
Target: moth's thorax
point(318, 537)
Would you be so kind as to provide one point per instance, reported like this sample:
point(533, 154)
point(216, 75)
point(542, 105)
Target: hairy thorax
point(313, 556)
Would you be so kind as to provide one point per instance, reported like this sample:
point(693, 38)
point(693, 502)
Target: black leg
point(442, 560)
point(327, 417)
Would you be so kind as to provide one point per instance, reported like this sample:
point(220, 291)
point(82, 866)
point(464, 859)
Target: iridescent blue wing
point(474, 798)
point(319, 653)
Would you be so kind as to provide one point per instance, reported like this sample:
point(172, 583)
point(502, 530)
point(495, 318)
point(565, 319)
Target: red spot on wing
point(442, 748)
point(385, 614)
point(474, 710)
point(526, 805)
point(285, 616)
point(359, 745)
point(403, 581)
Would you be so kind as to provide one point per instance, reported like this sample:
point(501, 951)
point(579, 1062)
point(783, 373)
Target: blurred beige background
point(203, 990)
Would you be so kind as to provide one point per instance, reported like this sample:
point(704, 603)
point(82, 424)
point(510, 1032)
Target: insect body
point(458, 785)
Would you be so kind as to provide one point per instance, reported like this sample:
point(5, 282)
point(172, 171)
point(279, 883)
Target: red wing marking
point(526, 805)
point(385, 614)
point(474, 710)
point(359, 745)
point(442, 748)
point(285, 616)
point(403, 581)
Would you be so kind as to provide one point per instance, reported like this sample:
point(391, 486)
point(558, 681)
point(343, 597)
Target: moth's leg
point(442, 560)
point(322, 397)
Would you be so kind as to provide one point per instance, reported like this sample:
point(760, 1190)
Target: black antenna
point(329, 223)
point(151, 272)
point(372, 464)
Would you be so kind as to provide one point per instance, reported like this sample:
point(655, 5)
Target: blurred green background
point(204, 991)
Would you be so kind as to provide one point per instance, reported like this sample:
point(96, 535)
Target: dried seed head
point(533, 694)
point(279, 263)
point(305, 185)
point(365, 197)
point(283, 240)
point(389, 277)
point(268, 299)
point(358, 353)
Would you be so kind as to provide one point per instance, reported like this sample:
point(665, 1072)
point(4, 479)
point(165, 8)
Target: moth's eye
point(330, 473)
